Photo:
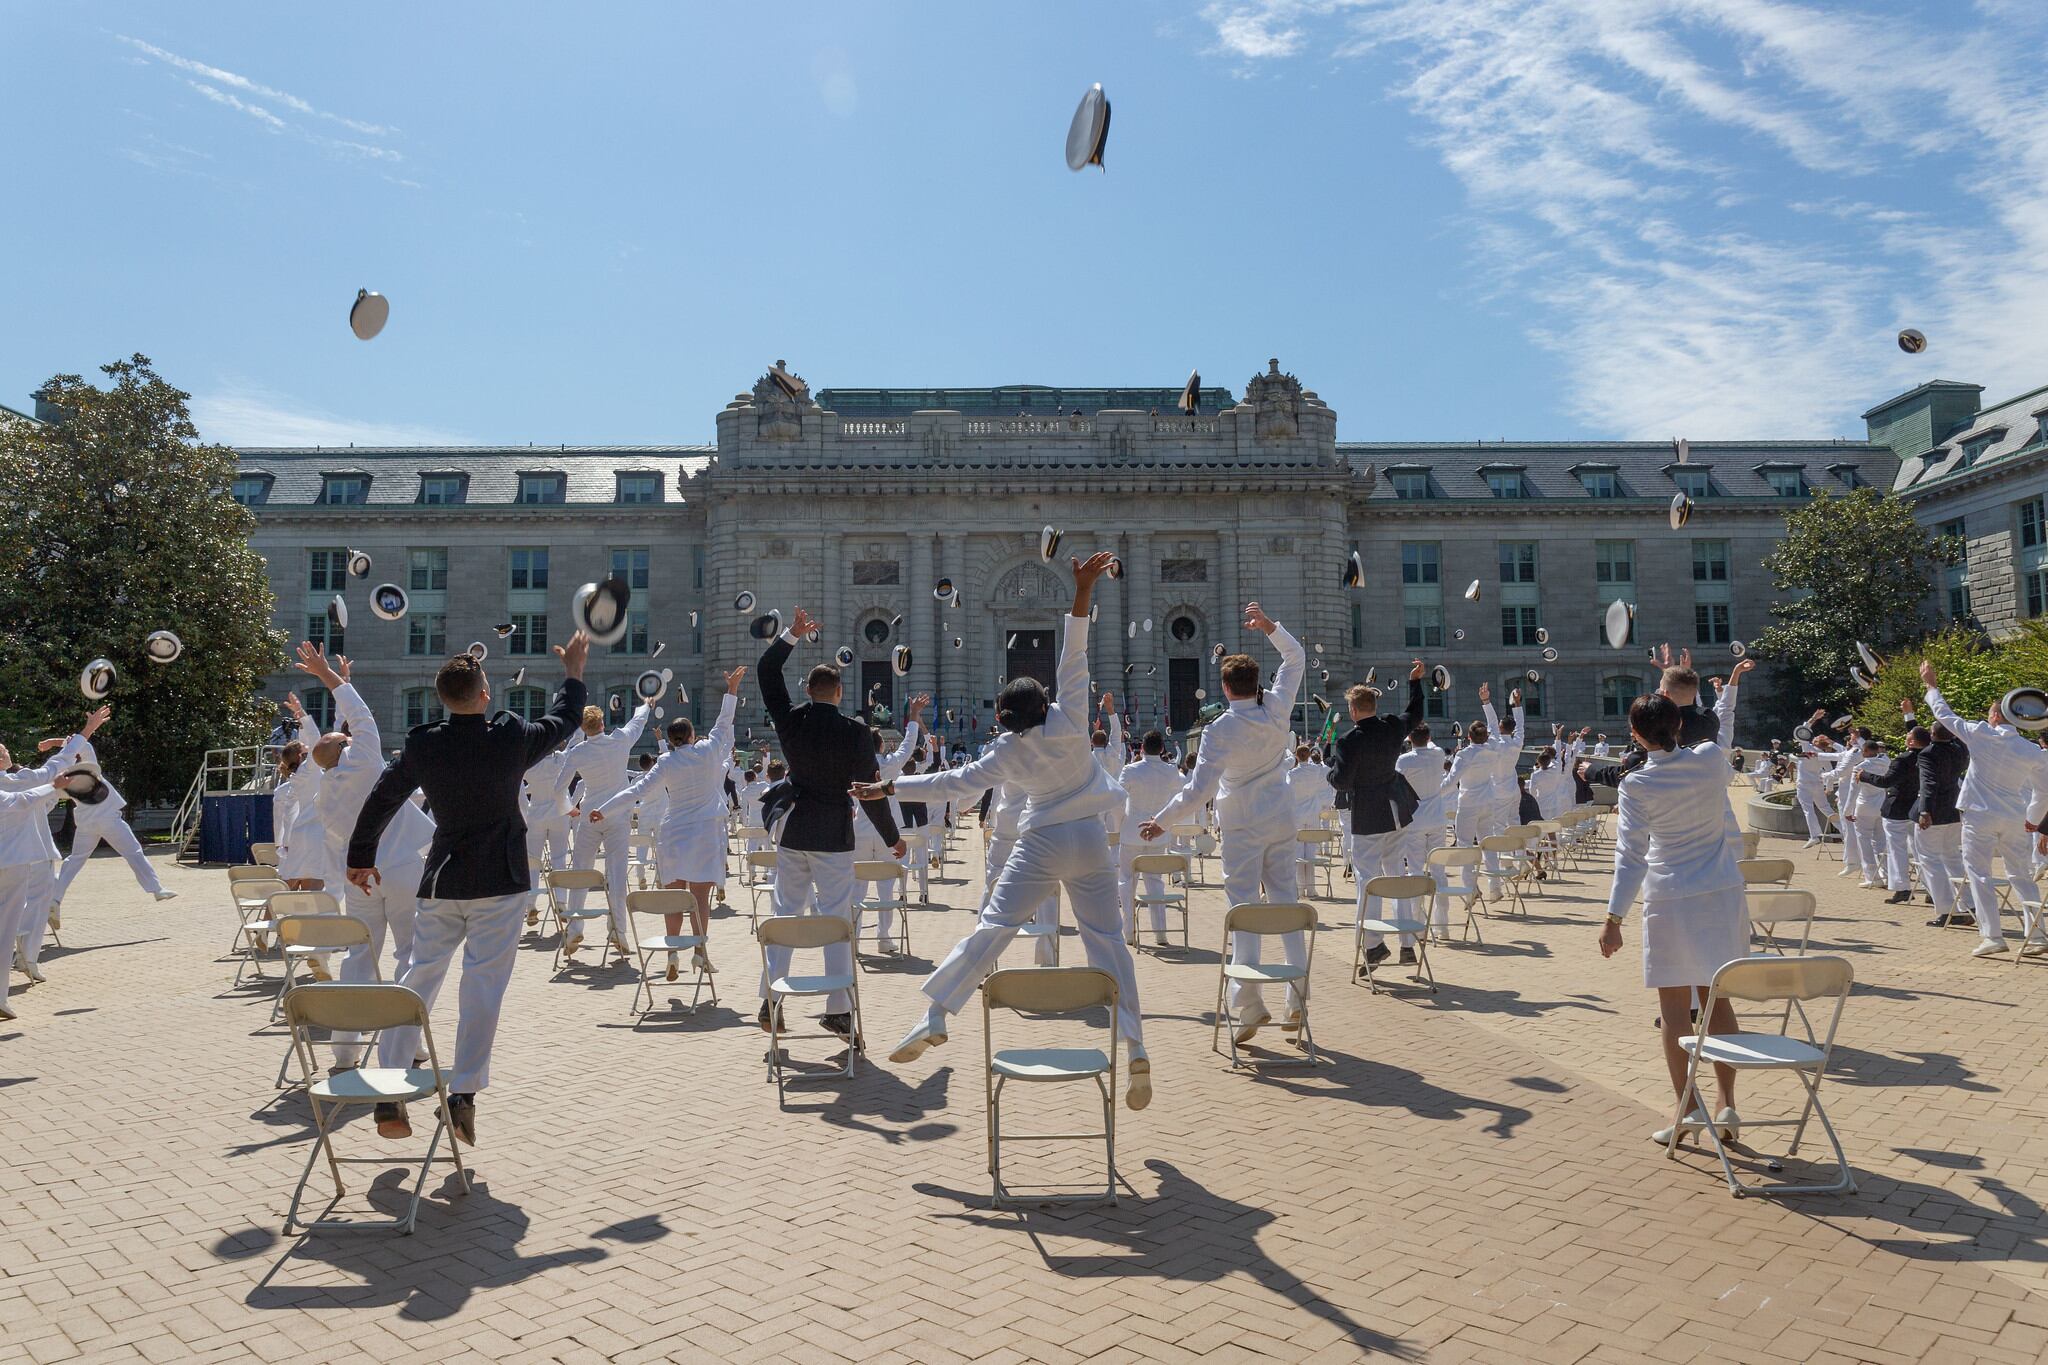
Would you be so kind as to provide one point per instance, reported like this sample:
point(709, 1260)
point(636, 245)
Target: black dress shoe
point(462, 1114)
point(1377, 954)
point(763, 1021)
point(841, 1024)
point(1407, 957)
point(1898, 898)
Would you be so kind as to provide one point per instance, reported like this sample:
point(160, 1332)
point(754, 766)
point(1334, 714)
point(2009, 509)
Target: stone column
point(971, 621)
point(832, 604)
point(1141, 571)
point(1229, 591)
point(920, 621)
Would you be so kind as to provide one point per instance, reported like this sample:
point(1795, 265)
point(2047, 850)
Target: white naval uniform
point(1467, 787)
point(867, 840)
point(544, 803)
point(1424, 770)
point(1242, 764)
point(1148, 785)
point(1865, 802)
point(1504, 804)
point(295, 822)
point(1308, 788)
point(1676, 842)
point(1005, 814)
point(600, 760)
point(28, 872)
point(103, 824)
point(2002, 794)
point(1060, 841)
point(1809, 788)
point(682, 804)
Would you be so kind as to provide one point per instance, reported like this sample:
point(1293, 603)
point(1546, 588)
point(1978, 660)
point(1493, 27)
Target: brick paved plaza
point(1467, 1178)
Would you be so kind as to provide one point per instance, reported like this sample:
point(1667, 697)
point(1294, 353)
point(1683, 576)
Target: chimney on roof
point(1922, 418)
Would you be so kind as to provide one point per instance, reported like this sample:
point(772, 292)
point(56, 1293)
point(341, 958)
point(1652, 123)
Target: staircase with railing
point(244, 768)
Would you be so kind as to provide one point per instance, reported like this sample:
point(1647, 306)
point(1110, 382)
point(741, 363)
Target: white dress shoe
point(166, 895)
point(1991, 949)
point(1250, 1022)
point(5, 1012)
point(1138, 1093)
point(30, 970)
point(926, 1034)
point(1662, 1137)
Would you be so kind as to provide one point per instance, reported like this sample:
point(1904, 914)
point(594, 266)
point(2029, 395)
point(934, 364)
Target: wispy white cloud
point(1718, 211)
point(239, 414)
point(238, 92)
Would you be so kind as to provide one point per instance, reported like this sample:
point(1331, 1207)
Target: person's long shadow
point(1853, 1066)
point(54, 953)
point(2013, 1226)
point(878, 1098)
point(1452, 995)
point(1364, 1081)
point(1183, 1232)
point(463, 1244)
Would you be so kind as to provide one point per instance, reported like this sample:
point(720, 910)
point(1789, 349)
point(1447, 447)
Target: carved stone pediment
point(1275, 399)
point(780, 401)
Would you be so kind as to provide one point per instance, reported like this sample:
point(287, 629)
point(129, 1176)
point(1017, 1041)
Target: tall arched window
point(1617, 692)
point(528, 703)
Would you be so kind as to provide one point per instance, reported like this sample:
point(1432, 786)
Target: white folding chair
point(1509, 858)
point(302, 934)
point(1442, 862)
point(1184, 837)
point(1769, 907)
point(263, 855)
point(1317, 843)
point(884, 878)
point(1400, 891)
point(1764, 979)
point(1766, 871)
point(1266, 919)
point(303, 905)
point(1165, 866)
point(257, 927)
point(666, 901)
point(1044, 993)
point(798, 933)
point(757, 874)
point(366, 1007)
point(640, 859)
point(249, 889)
point(573, 921)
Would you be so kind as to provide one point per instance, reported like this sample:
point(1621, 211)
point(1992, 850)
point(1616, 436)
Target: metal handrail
point(241, 768)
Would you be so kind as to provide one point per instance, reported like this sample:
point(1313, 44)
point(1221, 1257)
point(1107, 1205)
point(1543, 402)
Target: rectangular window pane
point(1518, 561)
point(427, 570)
point(2037, 592)
point(696, 566)
point(1411, 485)
point(1710, 561)
point(631, 565)
point(1518, 625)
point(426, 633)
point(326, 570)
point(529, 633)
point(529, 569)
point(1694, 483)
point(439, 490)
point(2033, 530)
point(1601, 483)
point(1505, 483)
point(537, 488)
point(639, 488)
point(322, 631)
point(634, 641)
point(250, 491)
point(1420, 562)
point(1614, 561)
point(349, 490)
point(1357, 625)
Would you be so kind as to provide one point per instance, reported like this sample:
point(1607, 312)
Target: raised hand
point(1416, 671)
point(1094, 567)
point(1485, 693)
point(1108, 703)
point(1741, 670)
point(916, 706)
point(94, 721)
point(574, 655)
point(802, 624)
point(732, 680)
point(1255, 618)
point(312, 659)
point(1927, 674)
point(294, 705)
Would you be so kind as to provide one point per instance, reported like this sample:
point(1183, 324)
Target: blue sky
point(1451, 218)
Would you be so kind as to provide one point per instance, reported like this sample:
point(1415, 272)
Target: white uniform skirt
point(692, 851)
point(1686, 939)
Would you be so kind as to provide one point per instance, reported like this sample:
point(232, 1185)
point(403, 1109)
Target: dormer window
point(1410, 484)
point(2040, 428)
point(638, 486)
point(1786, 480)
point(1694, 483)
point(1600, 483)
point(1977, 445)
point(344, 490)
point(1506, 483)
point(251, 490)
point(541, 488)
point(1849, 474)
point(443, 490)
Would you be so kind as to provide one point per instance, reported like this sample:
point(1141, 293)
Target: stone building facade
point(858, 503)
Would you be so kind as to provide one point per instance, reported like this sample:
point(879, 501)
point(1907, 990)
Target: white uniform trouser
point(1379, 855)
point(1852, 847)
point(610, 839)
point(1259, 865)
point(1073, 854)
point(390, 911)
point(812, 883)
point(1941, 861)
point(1898, 851)
point(1495, 817)
point(487, 930)
point(1045, 952)
point(1870, 851)
point(1424, 836)
point(116, 835)
point(22, 887)
point(1127, 886)
point(552, 836)
point(26, 914)
point(2006, 837)
point(1814, 806)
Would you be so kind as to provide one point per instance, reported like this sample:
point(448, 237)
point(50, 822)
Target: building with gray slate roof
point(856, 503)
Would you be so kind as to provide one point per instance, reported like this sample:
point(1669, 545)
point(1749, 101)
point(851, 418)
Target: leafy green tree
point(1973, 674)
point(121, 523)
point(1858, 567)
